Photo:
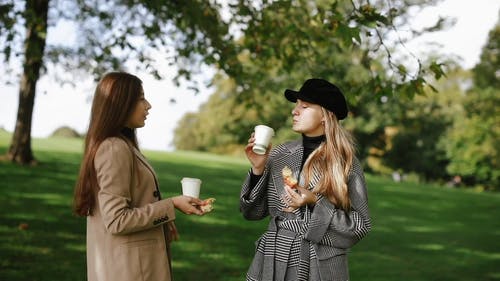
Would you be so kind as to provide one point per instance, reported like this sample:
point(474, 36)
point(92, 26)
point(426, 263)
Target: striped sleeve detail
point(253, 201)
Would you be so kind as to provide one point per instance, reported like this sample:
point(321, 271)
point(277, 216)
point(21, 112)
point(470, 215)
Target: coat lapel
point(143, 160)
point(291, 157)
point(141, 157)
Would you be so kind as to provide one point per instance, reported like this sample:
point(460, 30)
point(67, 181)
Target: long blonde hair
point(333, 158)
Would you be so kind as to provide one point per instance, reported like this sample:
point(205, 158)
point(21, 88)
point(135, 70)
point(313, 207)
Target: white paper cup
point(263, 135)
point(191, 187)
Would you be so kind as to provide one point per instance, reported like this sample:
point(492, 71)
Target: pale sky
point(57, 106)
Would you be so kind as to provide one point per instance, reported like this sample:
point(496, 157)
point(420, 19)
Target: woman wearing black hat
point(313, 224)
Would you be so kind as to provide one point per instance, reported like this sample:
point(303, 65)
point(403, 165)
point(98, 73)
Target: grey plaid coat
point(310, 243)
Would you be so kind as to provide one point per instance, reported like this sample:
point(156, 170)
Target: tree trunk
point(36, 31)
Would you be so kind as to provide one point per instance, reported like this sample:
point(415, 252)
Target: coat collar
point(291, 156)
point(145, 162)
point(294, 146)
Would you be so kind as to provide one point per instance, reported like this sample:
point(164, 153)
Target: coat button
point(156, 194)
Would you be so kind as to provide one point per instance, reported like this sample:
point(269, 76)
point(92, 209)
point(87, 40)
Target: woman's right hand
point(258, 161)
point(187, 204)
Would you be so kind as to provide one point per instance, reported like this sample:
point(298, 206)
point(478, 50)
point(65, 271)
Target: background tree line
point(260, 49)
point(435, 136)
point(279, 35)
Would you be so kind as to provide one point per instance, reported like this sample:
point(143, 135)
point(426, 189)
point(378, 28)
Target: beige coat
point(126, 235)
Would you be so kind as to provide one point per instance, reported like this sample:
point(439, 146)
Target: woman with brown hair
point(129, 225)
point(315, 222)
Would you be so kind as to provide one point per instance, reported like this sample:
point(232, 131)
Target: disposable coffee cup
point(263, 135)
point(191, 187)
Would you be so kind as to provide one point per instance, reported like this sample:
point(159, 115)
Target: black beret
point(321, 92)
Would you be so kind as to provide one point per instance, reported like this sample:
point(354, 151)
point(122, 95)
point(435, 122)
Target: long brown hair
point(114, 100)
point(333, 158)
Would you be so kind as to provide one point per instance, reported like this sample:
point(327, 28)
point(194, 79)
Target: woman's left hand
point(187, 204)
point(296, 198)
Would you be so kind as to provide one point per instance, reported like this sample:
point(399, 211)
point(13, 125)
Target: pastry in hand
point(206, 206)
point(288, 177)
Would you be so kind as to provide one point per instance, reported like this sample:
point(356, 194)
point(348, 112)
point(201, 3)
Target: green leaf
point(437, 69)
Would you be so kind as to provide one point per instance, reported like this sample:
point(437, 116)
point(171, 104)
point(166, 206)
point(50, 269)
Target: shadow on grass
point(419, 232)
point(219, 245)
point(40, 239)
point(427, 233)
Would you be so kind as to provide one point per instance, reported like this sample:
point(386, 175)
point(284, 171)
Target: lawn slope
point(420, 232)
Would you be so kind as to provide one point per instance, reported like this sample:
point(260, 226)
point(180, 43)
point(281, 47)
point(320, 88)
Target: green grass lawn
point(420, 232)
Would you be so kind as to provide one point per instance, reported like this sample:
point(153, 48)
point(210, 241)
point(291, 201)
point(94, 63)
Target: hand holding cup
point(191, 187)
